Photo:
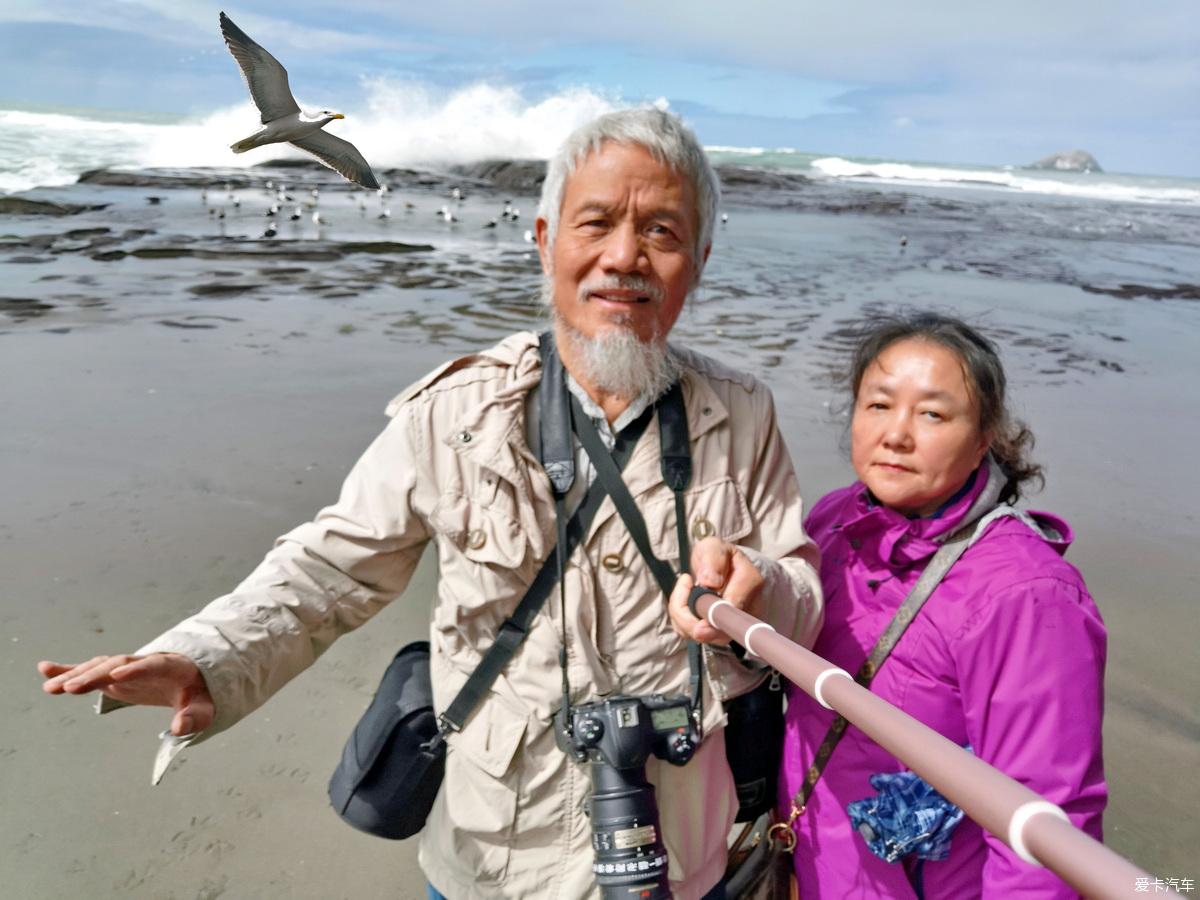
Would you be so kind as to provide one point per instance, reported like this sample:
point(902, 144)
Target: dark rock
point(160, 252)
point(381, 247)
point(19, 206)
point(751, 177)
point(1129, 291)
point(874, 203)
point(1068, 161)
point(222, 289)
point(165, 178)
point(310, 164)
point(22, 308)
point(521, 176)
point(172, 323)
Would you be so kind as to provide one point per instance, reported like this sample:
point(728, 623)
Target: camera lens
point(630, 857)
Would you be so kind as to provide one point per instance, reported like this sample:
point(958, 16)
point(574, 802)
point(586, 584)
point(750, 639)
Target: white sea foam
point(403, 123)
point(399, 123)
point(408, 122)
point(1096, 186)
point(739, 151)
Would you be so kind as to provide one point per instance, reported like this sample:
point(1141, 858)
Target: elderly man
point(624, 230)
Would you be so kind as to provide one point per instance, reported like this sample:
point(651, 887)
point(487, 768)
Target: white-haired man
point(624, 230)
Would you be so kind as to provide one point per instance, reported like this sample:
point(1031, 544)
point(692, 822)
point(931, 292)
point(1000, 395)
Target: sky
point(923, 80)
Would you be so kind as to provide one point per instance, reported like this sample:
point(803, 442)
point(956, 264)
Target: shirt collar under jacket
point(593, 411)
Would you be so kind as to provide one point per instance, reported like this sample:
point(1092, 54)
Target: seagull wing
point(341, 156)
point(266, 78)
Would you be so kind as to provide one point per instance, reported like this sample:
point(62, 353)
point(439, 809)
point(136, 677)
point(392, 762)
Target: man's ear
point(542, 232)
point(704, 255)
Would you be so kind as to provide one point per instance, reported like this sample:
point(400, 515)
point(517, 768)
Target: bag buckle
point(782, 832)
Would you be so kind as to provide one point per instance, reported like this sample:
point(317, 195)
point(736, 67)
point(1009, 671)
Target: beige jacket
point(453, 466)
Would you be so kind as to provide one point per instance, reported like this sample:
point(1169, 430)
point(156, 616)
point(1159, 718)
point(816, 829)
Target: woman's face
point(915, 436)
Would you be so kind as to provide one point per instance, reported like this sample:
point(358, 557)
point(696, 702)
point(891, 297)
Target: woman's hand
point(725, 569)
point(160, 679)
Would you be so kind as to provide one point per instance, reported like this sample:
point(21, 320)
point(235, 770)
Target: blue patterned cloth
point(906, 816)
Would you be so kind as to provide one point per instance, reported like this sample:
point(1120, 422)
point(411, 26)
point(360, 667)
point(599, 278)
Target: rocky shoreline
point(182, 389)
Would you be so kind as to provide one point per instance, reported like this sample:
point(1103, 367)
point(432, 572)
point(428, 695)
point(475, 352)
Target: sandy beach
point(178, 391)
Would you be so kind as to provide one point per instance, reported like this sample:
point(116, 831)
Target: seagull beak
point(338, 116)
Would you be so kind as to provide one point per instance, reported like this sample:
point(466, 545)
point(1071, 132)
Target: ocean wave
point(398, 124)
point(725, 150)
point(739, 151)
point(1126, 189)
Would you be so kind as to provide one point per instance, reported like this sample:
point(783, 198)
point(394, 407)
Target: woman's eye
point(933, 414)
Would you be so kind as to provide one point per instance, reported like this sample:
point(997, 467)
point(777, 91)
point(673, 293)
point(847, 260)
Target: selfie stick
point(1036, 830)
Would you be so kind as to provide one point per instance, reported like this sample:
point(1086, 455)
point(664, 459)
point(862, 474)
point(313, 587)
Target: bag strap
point(947, 555)
point(609, 475)
point(517, 626)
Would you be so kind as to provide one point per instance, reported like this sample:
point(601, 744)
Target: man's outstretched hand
point(160, 679)
point(719, 565)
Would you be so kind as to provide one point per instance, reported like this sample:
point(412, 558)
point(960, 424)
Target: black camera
point(617, 736)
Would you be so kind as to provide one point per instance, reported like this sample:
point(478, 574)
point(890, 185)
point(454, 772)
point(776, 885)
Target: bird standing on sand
point(281, 116)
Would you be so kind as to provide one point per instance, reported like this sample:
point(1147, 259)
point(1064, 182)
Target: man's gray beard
point(617, 363)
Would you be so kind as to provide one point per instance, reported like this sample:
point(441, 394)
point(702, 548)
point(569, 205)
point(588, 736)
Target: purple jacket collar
point(885, 538)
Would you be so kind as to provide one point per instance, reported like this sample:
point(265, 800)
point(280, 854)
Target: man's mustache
point(635, 283)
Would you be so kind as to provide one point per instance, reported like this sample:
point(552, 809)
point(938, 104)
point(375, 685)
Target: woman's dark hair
point(1011, 439)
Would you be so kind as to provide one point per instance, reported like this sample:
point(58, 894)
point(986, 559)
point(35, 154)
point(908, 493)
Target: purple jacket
point(1007, 656)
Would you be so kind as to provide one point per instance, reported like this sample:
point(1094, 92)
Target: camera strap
point(677, 473)
point(516, 627)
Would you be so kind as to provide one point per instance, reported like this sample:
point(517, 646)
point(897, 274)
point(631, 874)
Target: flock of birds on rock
point(279, 202)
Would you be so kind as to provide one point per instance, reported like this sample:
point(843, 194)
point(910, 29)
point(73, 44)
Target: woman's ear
point(985, 444)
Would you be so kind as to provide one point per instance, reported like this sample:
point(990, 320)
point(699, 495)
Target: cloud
point(854, 41)
point(194, 23)
point(934, 78)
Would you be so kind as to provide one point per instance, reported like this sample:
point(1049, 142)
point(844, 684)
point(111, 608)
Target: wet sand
point(170, 410)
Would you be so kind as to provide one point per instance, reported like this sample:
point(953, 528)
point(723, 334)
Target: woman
point(1007, 655)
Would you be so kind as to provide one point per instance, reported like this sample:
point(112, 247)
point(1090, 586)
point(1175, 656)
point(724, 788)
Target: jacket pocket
point(716, 509)
point(479, 531)
point(482, 786)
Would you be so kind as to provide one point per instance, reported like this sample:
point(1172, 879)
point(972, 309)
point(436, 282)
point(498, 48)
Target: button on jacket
point(1006, 656)
point(454, 467)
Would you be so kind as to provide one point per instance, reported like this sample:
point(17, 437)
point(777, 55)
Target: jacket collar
point(492, 434)
point(496, 427)
point(885, 538)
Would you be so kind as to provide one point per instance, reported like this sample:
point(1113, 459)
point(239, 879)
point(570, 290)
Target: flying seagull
point(281, 116)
